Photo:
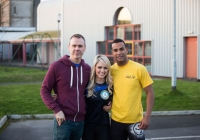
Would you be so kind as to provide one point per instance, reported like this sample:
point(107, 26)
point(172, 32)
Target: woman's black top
point(95, 114)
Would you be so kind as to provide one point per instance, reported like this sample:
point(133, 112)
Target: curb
point(51, 116)
point(3, 121)
point(177, 138)
point(37, 116)
point(165, 113)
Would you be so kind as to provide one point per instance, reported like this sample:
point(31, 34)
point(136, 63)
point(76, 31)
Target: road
point(183, 127)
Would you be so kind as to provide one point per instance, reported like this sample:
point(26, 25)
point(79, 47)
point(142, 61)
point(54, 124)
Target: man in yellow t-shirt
point(129, 79)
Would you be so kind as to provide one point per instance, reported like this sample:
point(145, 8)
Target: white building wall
point(187, 25)
point(155, 27)
point(47, 15)
point(155, 16)
point(89, 18)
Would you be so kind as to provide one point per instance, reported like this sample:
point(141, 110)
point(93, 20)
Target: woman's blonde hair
point(108, 78)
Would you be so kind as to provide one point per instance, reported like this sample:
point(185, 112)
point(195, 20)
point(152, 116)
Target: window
point(110, 33)
point(102, 48)
point(129, 46)
point(15, 10)
point(137, 33)
point(120, 32)
point(128, 33)
point(138, 50)
point(124, 16)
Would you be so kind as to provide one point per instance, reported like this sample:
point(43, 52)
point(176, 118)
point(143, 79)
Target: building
point(150, 28)
point(18, 18)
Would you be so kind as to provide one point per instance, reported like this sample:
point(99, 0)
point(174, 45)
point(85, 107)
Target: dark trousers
point(101, 132)
point(68, 130)
point(122, 131)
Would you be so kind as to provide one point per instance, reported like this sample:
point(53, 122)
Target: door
point(191, 57)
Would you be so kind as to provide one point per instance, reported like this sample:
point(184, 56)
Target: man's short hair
point(117, 40)
point(78, 36)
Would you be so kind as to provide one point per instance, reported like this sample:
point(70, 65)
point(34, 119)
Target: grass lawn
point(25, 98)
point(16, 74)
point(22, 99)
point(186, 97)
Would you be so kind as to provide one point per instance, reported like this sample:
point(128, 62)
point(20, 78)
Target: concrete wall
point(21, 13)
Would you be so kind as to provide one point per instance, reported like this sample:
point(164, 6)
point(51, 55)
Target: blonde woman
point(98, 98)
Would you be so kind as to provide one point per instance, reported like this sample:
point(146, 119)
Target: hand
point(107, 107)
point(60, 117)
point(54, 96)
point(144, 124)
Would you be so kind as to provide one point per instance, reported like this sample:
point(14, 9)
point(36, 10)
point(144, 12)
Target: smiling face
point(101, 70)
point(76, 48)
point(119, 52)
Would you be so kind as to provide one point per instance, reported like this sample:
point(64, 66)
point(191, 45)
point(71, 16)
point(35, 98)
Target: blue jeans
point(68, 130)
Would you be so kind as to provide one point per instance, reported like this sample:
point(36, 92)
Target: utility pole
point(58, 43)
point(174, 52)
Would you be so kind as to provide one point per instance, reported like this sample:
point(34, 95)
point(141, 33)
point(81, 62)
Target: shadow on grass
point(175, 92)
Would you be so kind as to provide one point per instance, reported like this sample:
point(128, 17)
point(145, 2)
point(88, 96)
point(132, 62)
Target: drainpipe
point(24, 53)
point(62, 28)
point(174, 52)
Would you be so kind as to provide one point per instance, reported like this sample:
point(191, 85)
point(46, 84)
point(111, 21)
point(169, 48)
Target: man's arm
point(60, 117)
point(49, 101)
point(149, 106)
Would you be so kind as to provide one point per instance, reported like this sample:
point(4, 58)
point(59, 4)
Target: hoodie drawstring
point(71, 81)
point(81, 75)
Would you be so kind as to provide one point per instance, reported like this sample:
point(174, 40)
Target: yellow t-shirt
point(129, 80)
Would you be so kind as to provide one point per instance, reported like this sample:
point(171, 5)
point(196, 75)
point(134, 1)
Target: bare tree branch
point(5, 13)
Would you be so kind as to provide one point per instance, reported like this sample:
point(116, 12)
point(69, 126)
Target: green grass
point(185, 97)
point(16, 74)
point(21, 98)
point(25, 98)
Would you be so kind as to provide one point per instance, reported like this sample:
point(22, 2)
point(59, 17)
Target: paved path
point(176, 127)
point(183, 127)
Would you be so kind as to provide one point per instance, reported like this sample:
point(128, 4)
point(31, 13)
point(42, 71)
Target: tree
point(4, 13)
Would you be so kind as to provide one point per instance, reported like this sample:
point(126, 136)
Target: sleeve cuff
point(57, 109)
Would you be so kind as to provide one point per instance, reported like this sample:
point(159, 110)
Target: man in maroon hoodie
point(68, 78)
